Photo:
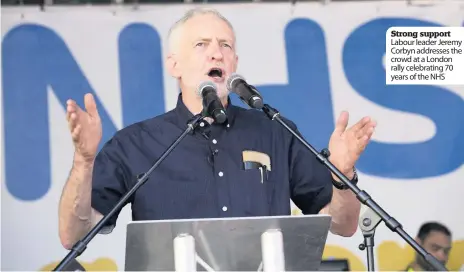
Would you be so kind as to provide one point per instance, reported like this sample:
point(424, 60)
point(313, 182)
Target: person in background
point(435, 238)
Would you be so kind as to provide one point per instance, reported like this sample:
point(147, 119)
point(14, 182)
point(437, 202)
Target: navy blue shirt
point(205, 176)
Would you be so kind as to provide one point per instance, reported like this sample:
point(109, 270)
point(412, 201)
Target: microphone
point(246, 92)
point(212, 106)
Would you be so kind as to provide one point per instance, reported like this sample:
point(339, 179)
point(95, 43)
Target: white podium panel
point(295, 243)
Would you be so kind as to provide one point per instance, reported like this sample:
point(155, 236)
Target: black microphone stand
point(372, 217)
point(81, 245)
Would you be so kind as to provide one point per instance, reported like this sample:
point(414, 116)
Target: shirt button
point(221, 174)
point(224, 208)
point(214, 141)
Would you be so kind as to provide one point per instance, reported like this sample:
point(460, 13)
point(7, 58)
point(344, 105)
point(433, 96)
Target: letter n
point(36, 59)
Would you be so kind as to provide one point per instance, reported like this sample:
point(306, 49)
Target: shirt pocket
point(257, 192)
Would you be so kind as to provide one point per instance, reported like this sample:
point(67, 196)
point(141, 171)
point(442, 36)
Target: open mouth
point(215, 73)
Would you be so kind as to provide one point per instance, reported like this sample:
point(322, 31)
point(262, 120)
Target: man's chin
point(425, 265)
point(223, 94)
point(222, 90)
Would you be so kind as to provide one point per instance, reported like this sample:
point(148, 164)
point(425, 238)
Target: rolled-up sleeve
point(108, 182)
point(310, 181)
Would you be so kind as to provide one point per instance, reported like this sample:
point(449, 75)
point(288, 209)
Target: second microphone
point(212, 106)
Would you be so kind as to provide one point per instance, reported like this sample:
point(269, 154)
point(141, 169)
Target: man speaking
point(213, 173)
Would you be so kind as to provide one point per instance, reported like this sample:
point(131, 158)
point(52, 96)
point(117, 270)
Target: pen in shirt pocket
point(264, 173)
point(258, 166)
point(249, 165)
point(257, 160)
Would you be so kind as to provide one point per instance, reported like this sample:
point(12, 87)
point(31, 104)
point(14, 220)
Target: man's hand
point(76, 215)
point(85, 128)
point(346, 145)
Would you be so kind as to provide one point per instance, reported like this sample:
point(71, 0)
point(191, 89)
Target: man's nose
point(441, 256)
point(216, 52)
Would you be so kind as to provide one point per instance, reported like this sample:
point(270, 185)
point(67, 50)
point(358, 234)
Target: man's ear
point(172, 66)
point(236, 62)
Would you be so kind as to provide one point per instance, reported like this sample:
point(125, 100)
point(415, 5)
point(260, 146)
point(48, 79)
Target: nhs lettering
point(36, 57)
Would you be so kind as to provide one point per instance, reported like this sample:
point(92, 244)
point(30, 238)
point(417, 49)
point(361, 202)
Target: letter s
point(362, 61)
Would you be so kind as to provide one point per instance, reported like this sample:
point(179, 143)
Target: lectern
point(276, 243)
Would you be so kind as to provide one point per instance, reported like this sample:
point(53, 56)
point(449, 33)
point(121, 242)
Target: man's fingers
point(70, 108)
point(342, 122)
point(367, 136)
point(363, 140)
point(76, 132)
point(360, 124)
point(90, 105)
point(72, 122)
point(367, 129)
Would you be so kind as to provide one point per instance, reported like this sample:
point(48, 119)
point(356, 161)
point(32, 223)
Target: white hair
point(173, 34)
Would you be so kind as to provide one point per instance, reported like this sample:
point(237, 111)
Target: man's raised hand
point(85, 127)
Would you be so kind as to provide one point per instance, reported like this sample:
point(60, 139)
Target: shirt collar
point(184, 115)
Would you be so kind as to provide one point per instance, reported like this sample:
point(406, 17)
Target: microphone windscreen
point(230, 81)
point(204, 86)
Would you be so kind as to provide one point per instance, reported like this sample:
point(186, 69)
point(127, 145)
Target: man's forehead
point(437, 237)
point(202, 27)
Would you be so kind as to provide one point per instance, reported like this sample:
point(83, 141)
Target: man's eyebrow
point(226, 40)
point(209, 39)
point(439, 246)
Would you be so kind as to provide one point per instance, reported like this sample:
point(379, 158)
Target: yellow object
point(389, 255)
point(255, 156)
point(100, 264)
point(337, 252)
point(392, 256)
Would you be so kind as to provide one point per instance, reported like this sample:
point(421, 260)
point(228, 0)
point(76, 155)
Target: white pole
point(272, 246)
point(184, 253)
